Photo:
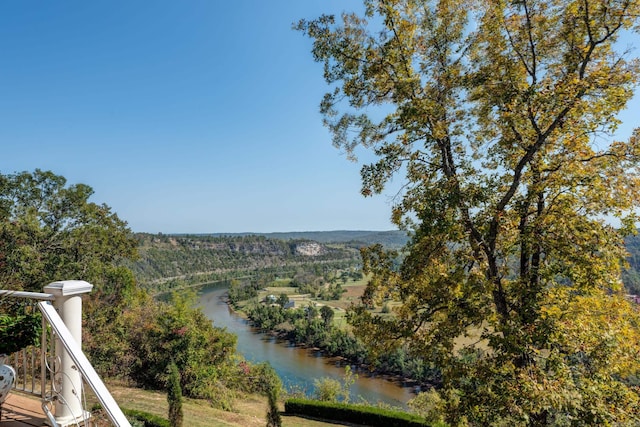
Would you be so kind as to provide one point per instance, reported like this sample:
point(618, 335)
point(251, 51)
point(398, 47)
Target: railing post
point(68, 303)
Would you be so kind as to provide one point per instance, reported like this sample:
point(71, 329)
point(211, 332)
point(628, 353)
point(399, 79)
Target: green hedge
point(358, 414)
point(148, 419)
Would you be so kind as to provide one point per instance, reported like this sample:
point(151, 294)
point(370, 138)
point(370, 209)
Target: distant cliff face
point(177, 260)
point(309, 249)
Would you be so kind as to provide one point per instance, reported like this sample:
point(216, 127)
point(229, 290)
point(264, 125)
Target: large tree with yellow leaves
point(499, 116)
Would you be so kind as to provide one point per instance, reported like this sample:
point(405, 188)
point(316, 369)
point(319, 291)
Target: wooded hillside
point(170, 261)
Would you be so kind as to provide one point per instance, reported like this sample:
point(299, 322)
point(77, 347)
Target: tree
point(283, 300)
point(499, 115)
point(327, 389)
point(327, 315)
point(174, 396)
point(175, 332)
point(272, 386)
point(273, 414)
point(51, 231)
point(331, 390)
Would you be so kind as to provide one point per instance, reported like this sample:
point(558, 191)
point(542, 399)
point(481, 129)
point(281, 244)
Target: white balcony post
point(68, 303)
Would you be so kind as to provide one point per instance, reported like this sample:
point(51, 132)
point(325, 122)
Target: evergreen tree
point(273, 414)
point(174, 396)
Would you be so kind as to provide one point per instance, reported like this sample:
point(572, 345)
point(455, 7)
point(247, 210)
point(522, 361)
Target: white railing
point(63, 367)
point(28, 361)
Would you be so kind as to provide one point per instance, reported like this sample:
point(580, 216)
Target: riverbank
point(287, 337)
point(297, 366)
point(320, 325)
point(284, 338)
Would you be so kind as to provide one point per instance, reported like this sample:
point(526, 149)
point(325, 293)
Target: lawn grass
point(249, 411)
point(277, 290)
point(278, 283)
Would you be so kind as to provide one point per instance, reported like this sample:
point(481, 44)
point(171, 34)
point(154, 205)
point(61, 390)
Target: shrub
point(327, 389)
point(18, 332)
point(359, 414)
point(147, 419)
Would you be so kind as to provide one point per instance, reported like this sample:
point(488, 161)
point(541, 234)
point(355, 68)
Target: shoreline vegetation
point(320, 325)
point(283, 337)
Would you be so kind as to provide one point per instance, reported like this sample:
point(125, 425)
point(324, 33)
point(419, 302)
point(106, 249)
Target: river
point(297, 367)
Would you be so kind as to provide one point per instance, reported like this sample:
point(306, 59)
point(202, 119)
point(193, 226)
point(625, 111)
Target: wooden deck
point(22, 411)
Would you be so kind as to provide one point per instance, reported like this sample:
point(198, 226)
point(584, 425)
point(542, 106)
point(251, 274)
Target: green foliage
point(631, 274)
point(347, 381)
point(258, 378)
point(283, 300)
point(162, 332)
point(428, 405)
point(327, 315)
point(240, 290)
point(147, 419)
point(170, 261)
point(331, 292)
point(49, 230)
point(327, 389)
point(357, 414)
point(174, 396)
point(300, 328)
point(20, 327)
point(499, 115)
point(274, 387)
point(330, 390)
point(389, 239)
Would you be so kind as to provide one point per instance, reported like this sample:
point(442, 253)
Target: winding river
point(297, 367)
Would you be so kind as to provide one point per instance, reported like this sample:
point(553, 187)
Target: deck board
point(22, 411)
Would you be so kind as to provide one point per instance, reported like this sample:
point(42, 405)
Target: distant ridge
point(389, 238)
point(172, 261)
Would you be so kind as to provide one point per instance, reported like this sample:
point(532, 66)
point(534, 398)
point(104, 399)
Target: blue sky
point(184, 116)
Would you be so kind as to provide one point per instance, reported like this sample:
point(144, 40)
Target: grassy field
point(249, 412)
point(354, 290)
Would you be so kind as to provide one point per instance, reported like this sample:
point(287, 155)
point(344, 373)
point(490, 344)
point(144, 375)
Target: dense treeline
point(318, 282)
point(249, 263)
point(391, 239)
point(357, 238)
point(169, 262)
